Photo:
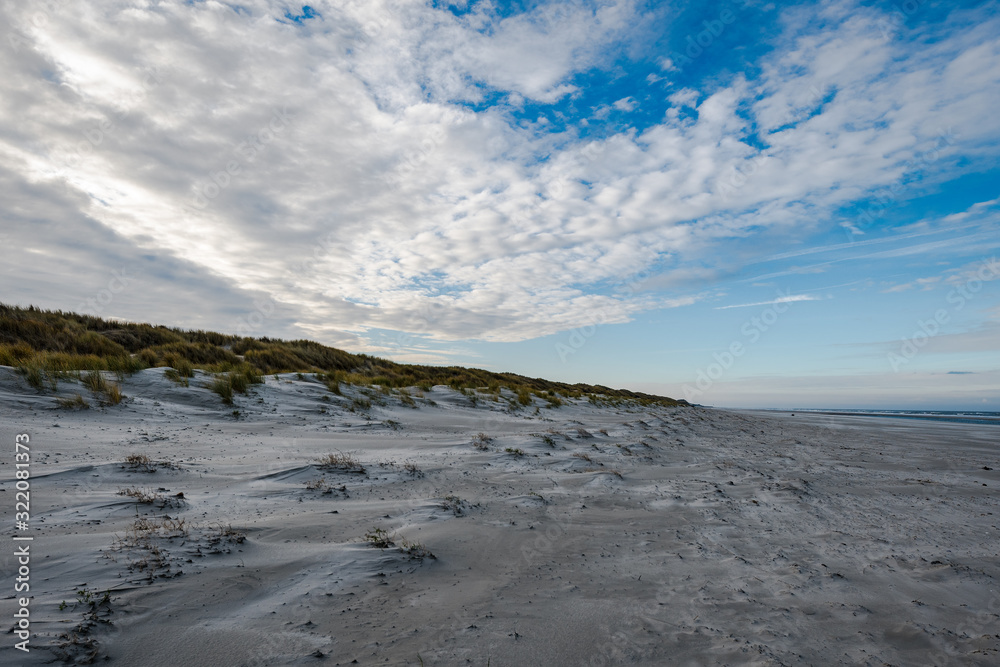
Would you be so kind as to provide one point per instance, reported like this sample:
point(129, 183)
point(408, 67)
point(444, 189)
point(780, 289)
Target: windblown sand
point(622, 535)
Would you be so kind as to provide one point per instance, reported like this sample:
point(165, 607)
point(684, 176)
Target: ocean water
point(958, 416)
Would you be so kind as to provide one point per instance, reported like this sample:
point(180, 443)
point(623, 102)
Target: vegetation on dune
point(42, 344)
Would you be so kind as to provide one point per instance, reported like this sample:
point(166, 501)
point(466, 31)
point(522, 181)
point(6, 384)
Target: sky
point(743, 204)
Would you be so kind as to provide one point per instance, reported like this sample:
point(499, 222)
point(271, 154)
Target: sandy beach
point(579, 535)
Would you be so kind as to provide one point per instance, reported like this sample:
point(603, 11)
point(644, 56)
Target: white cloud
point(385, 201)
point(625, 104)
point(781, 299)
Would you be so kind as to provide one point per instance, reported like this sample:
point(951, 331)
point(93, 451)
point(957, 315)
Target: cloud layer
point(396, 166)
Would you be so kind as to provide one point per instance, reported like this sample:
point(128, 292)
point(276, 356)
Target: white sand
point(728, 538)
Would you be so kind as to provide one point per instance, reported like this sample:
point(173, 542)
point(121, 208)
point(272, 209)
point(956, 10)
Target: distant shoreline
point(951, 417)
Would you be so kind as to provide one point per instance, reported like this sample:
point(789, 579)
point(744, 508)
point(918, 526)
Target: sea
point(955, 416)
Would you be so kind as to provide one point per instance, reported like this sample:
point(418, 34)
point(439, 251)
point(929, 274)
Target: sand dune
point(606, 535)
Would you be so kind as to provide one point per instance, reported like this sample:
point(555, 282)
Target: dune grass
point(45, 343)
point(237, 381)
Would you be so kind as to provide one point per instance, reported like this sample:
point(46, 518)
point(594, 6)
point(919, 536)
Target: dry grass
point(514, 451)
point(144, 496)
point(584, 456)
point(150, 497)
point(318, 485)
point(482, 442)
point(324, 487)
point(547, 439)
point(113, 394)
point(415, 550)
point(139, 462)
point(454, 504)
point(142, 552)
point(75, 403)
point(227, 534)
point(379, 538)
point(342, 462)
point(142, 463)
point(76, 646)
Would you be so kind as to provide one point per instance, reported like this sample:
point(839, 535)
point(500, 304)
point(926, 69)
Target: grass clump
point(317, 484)
point(113, 394)
point(454, 504)
point(140, 462)
point(524, 396)
point(482, 442)
point(227, 534)
point(149, 497)
point(181, 373)
point(108, 392)
point(415, 550)
point(342, 462)
point(379, 538)
point(547, 439)
point(324, 487)
point(75, 403)
point(406, 399)
point(359, 403)
point(236, 381)
point(90, 599)
point(35, 376)
point(222, 386)
point(144, 496)
point(514, 451)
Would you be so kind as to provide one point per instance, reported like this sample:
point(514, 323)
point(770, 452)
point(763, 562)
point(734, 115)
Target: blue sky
point(739, 203)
